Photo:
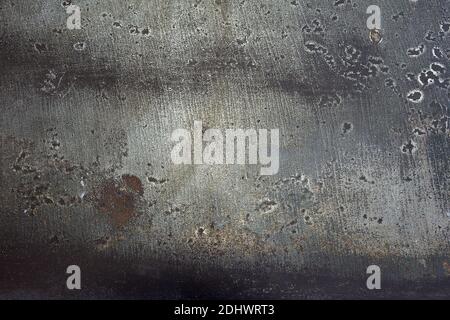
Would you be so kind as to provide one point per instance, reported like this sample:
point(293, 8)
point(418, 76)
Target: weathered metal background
point(86, 176)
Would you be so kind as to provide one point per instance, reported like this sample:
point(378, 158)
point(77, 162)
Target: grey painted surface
point(86, 176)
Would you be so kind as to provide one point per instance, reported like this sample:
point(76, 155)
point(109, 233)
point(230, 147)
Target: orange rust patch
point(118, 199)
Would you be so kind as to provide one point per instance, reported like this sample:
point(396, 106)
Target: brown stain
point(134, 183)
point(118, 199)
point(446, 266)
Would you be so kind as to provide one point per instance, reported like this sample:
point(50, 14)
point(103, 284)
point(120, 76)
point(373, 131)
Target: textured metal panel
point(86, 176)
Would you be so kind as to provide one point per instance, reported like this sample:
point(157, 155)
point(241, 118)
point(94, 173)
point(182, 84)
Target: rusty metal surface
point(86, 176)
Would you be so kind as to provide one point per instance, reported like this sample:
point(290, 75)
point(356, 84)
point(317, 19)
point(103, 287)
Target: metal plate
point(87, 178)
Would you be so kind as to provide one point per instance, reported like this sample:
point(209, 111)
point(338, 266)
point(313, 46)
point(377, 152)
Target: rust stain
point(133, 183)
point(118, 199)
point(446, 266)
